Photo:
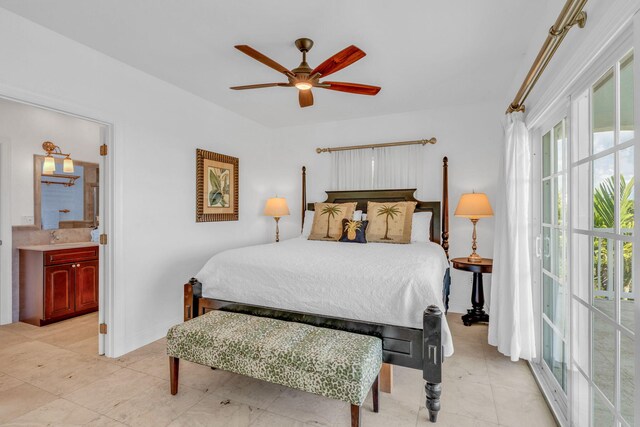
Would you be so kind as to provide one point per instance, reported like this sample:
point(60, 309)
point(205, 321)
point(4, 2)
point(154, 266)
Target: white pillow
point(364, 217)
point(308, 223)
point(420, 227)
point(357, 215)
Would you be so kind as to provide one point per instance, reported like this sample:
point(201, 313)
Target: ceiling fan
point(303, 77)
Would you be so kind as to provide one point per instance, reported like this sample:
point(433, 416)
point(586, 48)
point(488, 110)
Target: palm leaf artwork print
point(351, 227)
point(390, 212)
point(331, 211)
point(218, 187)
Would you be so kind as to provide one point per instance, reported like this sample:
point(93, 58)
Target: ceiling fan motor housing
point(303, 70)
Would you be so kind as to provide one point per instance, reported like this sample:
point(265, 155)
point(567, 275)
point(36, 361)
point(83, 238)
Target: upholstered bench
point(335, 364)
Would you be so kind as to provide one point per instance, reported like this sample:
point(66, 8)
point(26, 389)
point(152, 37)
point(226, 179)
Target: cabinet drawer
point(64, 256)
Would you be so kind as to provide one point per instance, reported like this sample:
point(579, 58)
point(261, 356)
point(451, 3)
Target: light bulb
point(67, 165)
point(49, 166)
point(303, 85)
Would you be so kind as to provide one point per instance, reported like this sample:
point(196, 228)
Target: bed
point(396, 292)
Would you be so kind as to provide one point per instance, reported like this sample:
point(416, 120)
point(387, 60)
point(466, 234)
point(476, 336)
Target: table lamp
point(474, 206)
point(276, 207)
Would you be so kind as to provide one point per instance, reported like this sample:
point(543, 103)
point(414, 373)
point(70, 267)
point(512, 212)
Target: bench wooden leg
point(355, 415)
point(174, 367)
point(374, 393)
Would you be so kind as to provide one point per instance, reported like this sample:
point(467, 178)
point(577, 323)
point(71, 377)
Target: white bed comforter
point(376, 282)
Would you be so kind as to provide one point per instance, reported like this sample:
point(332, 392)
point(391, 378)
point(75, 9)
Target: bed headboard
point(439, 227)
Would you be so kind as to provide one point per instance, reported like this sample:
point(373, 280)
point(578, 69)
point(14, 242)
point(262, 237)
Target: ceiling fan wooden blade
point(258, 86)
point(305, 97)
point(340, 60)
point(247, 50)
point(352, 88)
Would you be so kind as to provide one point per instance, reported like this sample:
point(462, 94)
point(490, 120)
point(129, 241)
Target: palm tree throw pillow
point(353, 231)
point(327, 220)
point(390, 222)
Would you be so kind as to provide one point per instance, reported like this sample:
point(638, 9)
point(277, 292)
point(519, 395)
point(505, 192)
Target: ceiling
point(424, 53)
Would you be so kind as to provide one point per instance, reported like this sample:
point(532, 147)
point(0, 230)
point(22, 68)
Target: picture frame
point(216, 187)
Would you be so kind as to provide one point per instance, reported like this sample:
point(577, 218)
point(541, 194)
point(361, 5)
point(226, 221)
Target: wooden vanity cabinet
point(58, 284)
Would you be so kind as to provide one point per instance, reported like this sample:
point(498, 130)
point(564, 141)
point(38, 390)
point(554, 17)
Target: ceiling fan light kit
point(304, 78)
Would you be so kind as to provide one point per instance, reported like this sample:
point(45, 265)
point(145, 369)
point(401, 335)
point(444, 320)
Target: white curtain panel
point(351, 170)
point(511, 326)
point(398, 167)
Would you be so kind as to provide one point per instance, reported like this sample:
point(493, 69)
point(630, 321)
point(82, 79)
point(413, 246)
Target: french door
point(552, 248)
point(585, 181)
point(602, 223)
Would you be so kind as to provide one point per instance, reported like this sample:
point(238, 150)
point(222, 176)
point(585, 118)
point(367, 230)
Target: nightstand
point(475, 314)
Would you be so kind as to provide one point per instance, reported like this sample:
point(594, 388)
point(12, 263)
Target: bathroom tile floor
point(53, 376)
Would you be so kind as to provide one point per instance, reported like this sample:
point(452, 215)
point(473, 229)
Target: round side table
point(475, 314)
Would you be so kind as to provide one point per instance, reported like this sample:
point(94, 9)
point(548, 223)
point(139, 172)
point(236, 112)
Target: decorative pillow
point(420, 231)
point(353, 231)
point(390, 222)
point(357, 215)
point(327, 220)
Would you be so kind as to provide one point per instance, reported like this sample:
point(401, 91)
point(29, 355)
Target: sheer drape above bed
point(351, 169)
point(378, 168)
point(398, 167)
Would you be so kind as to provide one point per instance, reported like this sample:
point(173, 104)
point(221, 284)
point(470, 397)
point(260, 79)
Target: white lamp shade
point(474, 205)
point(67, 165)
point(276, 207)
point(49, 166)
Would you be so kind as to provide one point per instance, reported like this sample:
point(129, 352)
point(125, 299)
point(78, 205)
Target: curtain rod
point(570, 15)
point(386, 144)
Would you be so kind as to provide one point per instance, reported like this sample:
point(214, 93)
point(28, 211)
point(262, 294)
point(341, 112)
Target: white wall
point(470, 136)
point(27, 127)
point(157, 129)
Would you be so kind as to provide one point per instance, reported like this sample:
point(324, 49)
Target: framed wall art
point(216, 187)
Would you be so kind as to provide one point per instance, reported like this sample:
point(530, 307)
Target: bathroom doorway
point(52, 223)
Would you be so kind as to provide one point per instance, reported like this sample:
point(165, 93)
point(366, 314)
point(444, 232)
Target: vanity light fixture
point(49, 165)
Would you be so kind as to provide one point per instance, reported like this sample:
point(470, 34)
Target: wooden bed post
point(304, 195)
point(192, 294)
point(445, 205)
point(432, 355)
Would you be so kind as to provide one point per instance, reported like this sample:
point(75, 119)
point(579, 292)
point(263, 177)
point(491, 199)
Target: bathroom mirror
point(66, 200)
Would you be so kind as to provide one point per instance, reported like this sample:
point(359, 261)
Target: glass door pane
point(554, 293)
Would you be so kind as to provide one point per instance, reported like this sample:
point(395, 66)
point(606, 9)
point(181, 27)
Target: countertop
point(57, 247)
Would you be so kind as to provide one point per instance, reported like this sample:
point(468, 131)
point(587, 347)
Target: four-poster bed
point(418, 347)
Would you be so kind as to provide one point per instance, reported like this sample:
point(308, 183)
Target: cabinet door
point(86, 285)
point(59, 289)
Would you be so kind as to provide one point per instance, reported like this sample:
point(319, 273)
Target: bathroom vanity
point(58, 281)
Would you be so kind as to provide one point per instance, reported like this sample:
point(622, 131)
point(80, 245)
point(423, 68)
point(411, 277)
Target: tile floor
point(52, 376)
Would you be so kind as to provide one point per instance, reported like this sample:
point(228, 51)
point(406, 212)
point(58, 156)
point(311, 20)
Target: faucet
point(54, 237)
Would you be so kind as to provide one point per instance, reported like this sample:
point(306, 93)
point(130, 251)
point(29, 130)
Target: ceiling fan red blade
point(340, 60)
point(305, 97)
point(247, 50)
point(258, 86)
point(352, 88)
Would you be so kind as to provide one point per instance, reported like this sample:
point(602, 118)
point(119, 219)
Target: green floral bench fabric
point(336, 364)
